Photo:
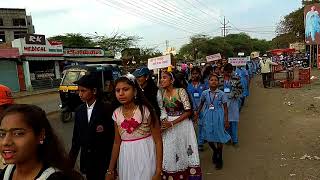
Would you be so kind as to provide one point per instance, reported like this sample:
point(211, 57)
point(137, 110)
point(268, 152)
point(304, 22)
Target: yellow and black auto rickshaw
point(69, 97)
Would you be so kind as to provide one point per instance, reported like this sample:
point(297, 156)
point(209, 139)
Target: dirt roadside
point(277, 127)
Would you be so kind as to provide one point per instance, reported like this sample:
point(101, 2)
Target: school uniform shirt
point(234, 85)
point(195, 93)
point(95, 139)
point(89, 110)
point(244, 76)
point(233, 89)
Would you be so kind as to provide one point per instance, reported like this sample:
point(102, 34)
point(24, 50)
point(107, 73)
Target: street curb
point(52, 112)
point(17, 95)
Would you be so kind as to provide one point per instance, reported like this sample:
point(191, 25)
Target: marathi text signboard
point(159, 62)
point(214, 57)
point(238, 61)
point(311, 22)
point(82, 52)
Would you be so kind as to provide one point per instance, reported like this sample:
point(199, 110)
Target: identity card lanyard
point(227, 86)
point(211, 107)
point(196, 93)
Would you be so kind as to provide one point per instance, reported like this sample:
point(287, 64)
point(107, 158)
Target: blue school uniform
point(213, 116)
point(195, 95)
point(233, 90)
point(244, 75)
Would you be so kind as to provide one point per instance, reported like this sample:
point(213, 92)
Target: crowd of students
point(146, 132)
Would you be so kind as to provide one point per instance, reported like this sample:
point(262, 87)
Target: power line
point(180, 39)
point(147, 10)
point(150, 18)
point(240, 29)
point(188, 2)
point(151, 8)
point(185, 16)
point(224, 27)
point(186, 13)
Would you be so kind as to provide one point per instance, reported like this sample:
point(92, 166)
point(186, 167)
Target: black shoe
point(219, 163)
point(200, 148)
point(214, 157)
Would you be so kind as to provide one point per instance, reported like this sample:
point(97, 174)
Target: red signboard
point(9, 53)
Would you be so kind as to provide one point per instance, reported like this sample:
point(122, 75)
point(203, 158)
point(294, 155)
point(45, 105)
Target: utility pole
point(225, 28)
point(167, 44)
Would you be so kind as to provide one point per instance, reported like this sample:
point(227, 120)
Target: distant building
point(14, 24)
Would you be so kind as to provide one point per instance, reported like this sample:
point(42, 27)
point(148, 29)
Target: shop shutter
point(9, 75)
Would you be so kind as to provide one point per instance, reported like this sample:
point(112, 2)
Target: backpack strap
point(47, 173)
point(8, 172)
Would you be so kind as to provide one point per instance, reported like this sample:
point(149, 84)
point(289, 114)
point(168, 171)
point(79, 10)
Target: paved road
point(273, 137)
point(48, 102)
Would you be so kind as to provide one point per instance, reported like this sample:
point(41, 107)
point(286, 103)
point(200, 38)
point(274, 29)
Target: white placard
point(238, 61)
point(159, 62)
point(241, 54)
point(214, 57)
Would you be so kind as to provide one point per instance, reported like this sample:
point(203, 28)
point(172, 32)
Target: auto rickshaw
point(69, 97)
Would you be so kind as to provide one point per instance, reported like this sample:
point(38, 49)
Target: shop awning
point(281, 51)
point(9, 53)
point(44, 58)
point(95, 60)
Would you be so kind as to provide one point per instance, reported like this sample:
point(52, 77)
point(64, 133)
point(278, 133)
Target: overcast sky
point(155, 21)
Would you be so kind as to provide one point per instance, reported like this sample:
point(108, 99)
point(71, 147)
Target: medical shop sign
point(238, 61)
point(159, 62)
point(50, 48)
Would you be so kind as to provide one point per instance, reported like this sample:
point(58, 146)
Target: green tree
point(290, 29)
point(74, 40)
point(146, 53)
point(115, 43)
point(262, 45)
point(240, 43)
point(201, 46)
point(139, 55)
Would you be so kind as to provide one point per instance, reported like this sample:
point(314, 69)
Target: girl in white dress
point(138, 143)
point(180, 149)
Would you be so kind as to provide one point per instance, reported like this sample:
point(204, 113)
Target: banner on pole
point(238, 61)
point(159, 62)
point(214, 57)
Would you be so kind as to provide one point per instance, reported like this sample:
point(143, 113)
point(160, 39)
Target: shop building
point(41, 61)
point(11, 69)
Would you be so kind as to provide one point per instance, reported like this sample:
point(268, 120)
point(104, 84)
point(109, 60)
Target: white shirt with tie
point(89, 110)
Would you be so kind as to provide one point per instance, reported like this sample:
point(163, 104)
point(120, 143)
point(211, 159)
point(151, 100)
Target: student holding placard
point(231, 85)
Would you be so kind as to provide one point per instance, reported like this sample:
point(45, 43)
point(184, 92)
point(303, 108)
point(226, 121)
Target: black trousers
point(266, 78)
